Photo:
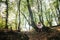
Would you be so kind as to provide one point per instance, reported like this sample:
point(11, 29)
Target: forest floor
point(53, 34)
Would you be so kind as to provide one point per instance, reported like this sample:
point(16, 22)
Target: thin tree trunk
point(26, 18)
point(16, 21)
point(41, 14)
point(38, 5)
point(19, 14)
point(31, 16)
point(6, 26)
point(58, 1)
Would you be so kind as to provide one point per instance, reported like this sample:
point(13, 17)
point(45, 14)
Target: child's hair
point(39, 22)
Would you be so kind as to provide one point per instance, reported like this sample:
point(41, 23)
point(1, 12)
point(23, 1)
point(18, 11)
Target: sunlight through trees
point(23, 15)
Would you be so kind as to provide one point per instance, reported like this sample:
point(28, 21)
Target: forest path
point(46, 35)
point(38, 36)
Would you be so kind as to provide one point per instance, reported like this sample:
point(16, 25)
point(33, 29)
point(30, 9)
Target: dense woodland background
point(23, 15)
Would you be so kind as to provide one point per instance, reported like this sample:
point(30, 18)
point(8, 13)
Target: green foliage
point(55, 4)
point(2, 24)
point(47, 12)
point(0, 0)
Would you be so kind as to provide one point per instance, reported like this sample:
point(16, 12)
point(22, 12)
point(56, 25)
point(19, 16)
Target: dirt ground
point(54, 35)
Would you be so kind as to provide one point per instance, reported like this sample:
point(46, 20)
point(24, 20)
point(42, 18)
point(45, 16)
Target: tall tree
point(41, 12)
point(31, 15)
point(58, 1)
point(6, 26)
point(19, 14)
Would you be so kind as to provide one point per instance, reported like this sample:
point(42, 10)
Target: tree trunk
point(41, 14)
point(16, 21)
point(58, 1)
point(31, 16)
point(6, 26)
point(19, 14)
